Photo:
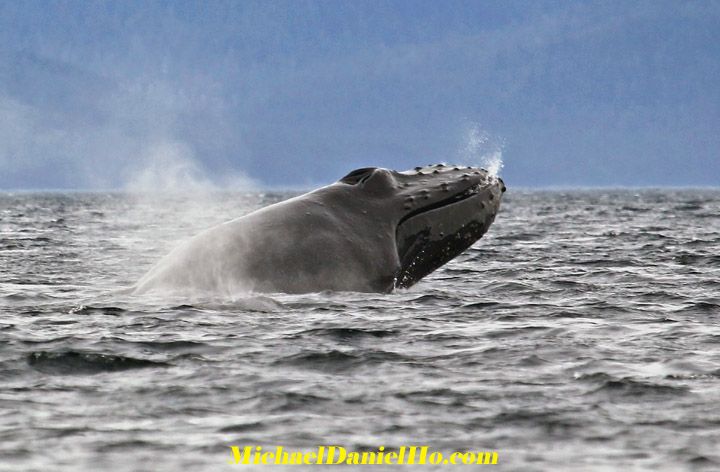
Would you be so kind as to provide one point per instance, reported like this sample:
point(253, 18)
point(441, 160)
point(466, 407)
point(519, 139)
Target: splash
point(169, 182)
point(482, 149)
point(172, 197)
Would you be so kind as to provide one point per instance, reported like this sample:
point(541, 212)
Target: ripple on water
point(343, 334)
point(339, 361)
point(75, 362)
point(628, 389)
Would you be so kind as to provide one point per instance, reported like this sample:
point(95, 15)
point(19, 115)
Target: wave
point(78, 362)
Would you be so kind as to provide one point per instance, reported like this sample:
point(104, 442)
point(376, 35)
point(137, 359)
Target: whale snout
point(502, 185)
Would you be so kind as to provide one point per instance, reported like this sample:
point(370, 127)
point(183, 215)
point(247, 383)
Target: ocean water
point(581, 333)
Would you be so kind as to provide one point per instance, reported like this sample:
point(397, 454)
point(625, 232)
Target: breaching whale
point(374, 230)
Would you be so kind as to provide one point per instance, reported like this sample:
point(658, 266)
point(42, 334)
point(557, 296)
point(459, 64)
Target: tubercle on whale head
point(421, 186)
point(432, 234)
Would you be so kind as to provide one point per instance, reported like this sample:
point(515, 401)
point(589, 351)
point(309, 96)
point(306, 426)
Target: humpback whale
point(373, 230)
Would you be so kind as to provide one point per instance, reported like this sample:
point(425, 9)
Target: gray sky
point(297, 93)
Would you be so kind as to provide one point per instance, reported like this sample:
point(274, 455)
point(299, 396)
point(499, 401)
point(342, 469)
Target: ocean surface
point(581, 333)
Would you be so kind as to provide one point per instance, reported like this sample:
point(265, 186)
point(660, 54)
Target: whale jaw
point(427, 238)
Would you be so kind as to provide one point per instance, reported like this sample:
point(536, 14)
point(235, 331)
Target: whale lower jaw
point(429, 237)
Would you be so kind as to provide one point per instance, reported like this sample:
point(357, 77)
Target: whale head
point(434, 212)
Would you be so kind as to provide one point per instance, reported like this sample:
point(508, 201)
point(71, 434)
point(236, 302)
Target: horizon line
point(290, 188)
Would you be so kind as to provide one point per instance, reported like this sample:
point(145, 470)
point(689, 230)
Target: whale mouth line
point(458, 197)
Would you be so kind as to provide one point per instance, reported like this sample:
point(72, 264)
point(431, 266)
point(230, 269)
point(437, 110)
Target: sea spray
point(172, 197)
point(480, 148)
point(170, 167)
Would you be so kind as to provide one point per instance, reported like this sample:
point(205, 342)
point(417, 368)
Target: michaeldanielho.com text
point(336, 455)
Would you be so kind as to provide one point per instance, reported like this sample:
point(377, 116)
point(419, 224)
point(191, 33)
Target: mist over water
point(171, 167)
point(578, 334)
point(168, 168)
point(169, 184)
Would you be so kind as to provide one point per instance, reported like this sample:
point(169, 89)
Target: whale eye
point(358, 175)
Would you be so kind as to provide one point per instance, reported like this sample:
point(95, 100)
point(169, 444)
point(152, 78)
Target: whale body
point(374, 230)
